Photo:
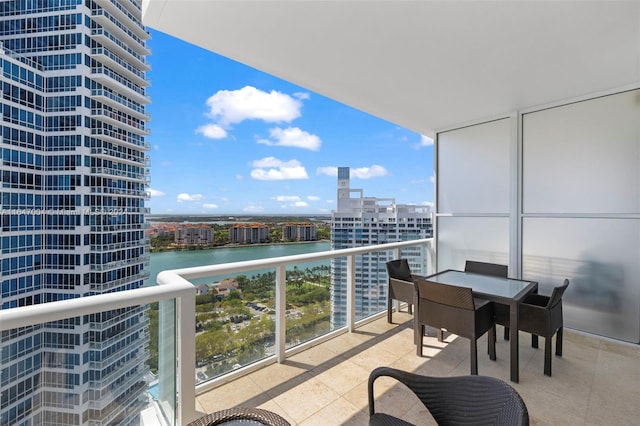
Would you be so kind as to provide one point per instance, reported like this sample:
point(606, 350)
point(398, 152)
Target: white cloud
point(424, 141)
point(291, 201)
point(312, 198)
point(360, 172)
point(368, 172)
point(228, 107)
point(188, 197)
point(156, 147)
point(329, 171)
point(156, 193)
point(292, 136)
point(287, 198)
point(301, 95)
point(271, 168)
point(212, 131)
point(253, 207)
point(210, 206)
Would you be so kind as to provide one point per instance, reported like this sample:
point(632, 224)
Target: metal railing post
point(186, 362)
point(281, 307)
point(351, 293)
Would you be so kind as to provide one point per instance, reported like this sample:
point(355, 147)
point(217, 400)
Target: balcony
point(322, 380)
point(593, 383)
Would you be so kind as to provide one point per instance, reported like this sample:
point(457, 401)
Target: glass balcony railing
point(263, 312)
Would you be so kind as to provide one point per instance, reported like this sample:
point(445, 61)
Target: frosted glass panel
point(583, 157)
point(485, 239)
point(473, 168)
point(600, 258)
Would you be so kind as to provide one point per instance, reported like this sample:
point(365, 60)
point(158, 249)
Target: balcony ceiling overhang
point(424, 65)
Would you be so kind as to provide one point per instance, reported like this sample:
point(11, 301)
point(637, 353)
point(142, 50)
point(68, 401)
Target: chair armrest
point(401, 376)
point(536, 299)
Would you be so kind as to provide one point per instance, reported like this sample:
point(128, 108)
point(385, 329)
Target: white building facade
point(362, 221)
point(74, 176)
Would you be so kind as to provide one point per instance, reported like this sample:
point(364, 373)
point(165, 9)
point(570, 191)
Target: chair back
point(399, 269)
point(556, 295)
point(473, 400)
point(484, 268)
point(458, 400)
point(444, 294)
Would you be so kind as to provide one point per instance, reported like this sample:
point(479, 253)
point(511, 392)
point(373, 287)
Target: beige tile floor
point(596, 382)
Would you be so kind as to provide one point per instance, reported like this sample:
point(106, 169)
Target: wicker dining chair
point(455, 309)
point(541, 316)
point(494, 270)
point(459, 400)
point(251, 416)
point(400, 285)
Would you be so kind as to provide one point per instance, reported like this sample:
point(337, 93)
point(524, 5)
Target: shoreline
point(236, 246)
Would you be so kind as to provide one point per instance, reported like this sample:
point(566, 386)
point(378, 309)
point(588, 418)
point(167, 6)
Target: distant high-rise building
point(299, 232)
point(363, 221)
point(194, 235)
point(248, 233)
point(73, 186)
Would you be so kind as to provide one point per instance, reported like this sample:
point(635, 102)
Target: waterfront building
point(363, 221)
point(299, 232)
point(74, 179)
point(194, 235)
point(248, 233)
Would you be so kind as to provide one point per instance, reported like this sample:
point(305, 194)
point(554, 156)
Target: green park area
point(237, 328)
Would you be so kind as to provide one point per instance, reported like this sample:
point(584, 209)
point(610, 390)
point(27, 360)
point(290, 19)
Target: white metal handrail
point(173, 284)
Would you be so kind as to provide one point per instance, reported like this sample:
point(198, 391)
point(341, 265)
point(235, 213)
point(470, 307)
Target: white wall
point(558, 198)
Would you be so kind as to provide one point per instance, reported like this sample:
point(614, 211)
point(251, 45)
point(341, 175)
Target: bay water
point(162, 261)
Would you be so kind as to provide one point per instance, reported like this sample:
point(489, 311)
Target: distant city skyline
point(228, 139)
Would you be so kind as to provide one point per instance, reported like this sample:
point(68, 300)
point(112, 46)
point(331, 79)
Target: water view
point(236, 329)
point(185, 259)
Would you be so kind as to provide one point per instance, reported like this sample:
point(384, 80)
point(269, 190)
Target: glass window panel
point(474, 168)
point(484, 239)
point(599, 256)
point(583, 157)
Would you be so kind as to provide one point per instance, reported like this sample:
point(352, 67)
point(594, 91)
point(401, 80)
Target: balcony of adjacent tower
point(127, 13)
point(119, 138)
point(119, 119)
point(119, 84)
point(110, 154)
point(115, 45)
point(113, 61)
point(121, 31)
point(116, 100)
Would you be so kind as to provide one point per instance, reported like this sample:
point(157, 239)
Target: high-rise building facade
point(195, 235)
point(363, 221)
point(73, 180)
point(248, 233)
point(299, 232)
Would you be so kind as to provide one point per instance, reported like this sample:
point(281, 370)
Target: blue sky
point(228, 139)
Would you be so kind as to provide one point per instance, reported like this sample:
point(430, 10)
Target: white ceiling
point(424, 65)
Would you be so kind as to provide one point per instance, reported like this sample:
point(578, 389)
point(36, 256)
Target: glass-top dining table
point(507, 291)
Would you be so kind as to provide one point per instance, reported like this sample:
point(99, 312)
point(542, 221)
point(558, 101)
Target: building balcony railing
point(129, 11)
point(117, 101)
point(176, 368)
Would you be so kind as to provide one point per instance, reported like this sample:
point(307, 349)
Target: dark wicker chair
point(241, 415)
point(461, 400)
point(495, 270)
point(541, 316)
point(400, 285)
point(454, 309)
